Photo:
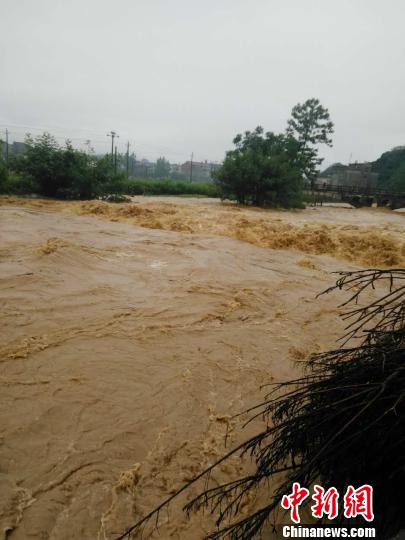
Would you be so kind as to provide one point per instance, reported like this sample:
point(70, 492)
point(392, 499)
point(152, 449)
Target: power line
point(21, 128)
point(147, 147)
point(55, 127)
point(60, 137)
point(156, 148)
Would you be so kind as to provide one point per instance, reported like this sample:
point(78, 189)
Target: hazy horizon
point(180, 77)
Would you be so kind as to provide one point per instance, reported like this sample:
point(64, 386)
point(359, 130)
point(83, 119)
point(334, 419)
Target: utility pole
point(132, 164)
point(191, 167)
point(128, 159)
point(88, 145)
point(7, 146)
point(115, 161)
point(112, 134)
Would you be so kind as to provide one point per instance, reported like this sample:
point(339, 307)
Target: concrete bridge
point(359, 196)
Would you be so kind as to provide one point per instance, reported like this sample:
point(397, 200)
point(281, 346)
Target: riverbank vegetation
point(265, 169)
point(268, 169)
point(62, 172)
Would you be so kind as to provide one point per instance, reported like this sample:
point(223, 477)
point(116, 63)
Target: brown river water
point(132, 333)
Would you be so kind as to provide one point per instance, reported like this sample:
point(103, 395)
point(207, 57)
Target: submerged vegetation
point(342, 423)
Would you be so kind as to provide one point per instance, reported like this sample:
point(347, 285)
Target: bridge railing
point(352, 190)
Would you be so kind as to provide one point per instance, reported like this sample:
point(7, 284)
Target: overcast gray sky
point(182, 76)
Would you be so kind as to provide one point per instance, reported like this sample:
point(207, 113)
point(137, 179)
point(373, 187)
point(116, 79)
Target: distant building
point(175, 168)
point(144, 169)
point(333, 169)
point(198, 171)
point(355, 174)
point(16, 148)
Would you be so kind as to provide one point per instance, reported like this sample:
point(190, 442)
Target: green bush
point(17, 184)
point(168, 187)
point(64, 172)
point(263, 169)
point(267, 168)
point(3, 176)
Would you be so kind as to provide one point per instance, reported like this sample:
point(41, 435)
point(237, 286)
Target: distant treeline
point(391, 169)
point(51, 170)
point(264, 168)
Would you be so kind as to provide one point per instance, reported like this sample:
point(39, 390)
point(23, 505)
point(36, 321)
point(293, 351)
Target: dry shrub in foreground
point(340, 424)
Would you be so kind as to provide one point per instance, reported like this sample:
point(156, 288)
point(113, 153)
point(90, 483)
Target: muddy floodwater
point(132, 333)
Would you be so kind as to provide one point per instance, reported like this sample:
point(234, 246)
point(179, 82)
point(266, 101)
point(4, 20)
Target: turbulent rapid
point(133, 333)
